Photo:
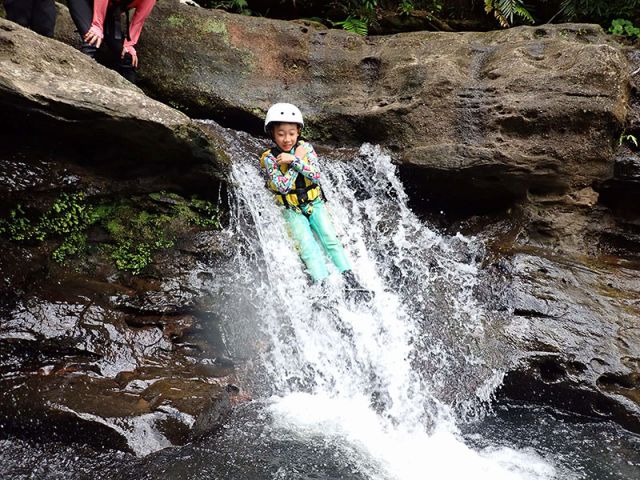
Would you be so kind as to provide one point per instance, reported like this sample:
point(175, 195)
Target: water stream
point(394, 388)
point(389, 378)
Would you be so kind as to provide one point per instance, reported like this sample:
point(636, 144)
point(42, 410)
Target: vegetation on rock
point(361, 16)
point(135, 228)
point(624, 28)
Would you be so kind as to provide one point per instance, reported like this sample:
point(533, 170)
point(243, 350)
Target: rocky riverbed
point(514, 136)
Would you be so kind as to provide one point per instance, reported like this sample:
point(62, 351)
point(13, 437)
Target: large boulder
point(575, 335)
point(561, 283)
point(53, 91)
point(572, 289)
point(483, 116)
point(87, 351)
point(478, 119)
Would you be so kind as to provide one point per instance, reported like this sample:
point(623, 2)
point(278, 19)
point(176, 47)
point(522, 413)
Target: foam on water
point(388, 378)
point(400, 451)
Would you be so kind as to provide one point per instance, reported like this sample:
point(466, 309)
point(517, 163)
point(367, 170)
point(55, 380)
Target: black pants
point(38, 15)
point(82, 15)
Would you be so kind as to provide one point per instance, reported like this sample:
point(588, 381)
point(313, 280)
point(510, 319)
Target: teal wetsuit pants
point(302, 228)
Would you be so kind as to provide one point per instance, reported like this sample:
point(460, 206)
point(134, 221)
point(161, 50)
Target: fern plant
point(506, 10)
point(626, 137)
point(360, 15)
point(599, 10)
point(406, 7)
point(238, 6)
point(354, 25)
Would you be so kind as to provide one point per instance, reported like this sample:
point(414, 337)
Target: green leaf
point(505, 10)
point(354, 25)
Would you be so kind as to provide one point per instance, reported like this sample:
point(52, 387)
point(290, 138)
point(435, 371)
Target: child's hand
point(285, 158)
point(300, 151)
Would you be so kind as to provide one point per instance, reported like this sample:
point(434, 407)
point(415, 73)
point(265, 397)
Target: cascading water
point(388, 389)
point(384, 379)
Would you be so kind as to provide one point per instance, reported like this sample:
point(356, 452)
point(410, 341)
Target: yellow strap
point(262, 157)
point(292, 198)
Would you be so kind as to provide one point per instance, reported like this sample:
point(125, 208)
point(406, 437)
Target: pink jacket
point(142, 10)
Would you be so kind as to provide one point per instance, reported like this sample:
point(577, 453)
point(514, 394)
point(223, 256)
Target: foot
point(88, 49)
point(354, 289)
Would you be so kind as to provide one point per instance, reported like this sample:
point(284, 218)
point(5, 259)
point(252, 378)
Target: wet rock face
point(479, 119)
point(577, 323)
point(126, 362)
point(88, 352)
point(564, 281)
point(51, 90)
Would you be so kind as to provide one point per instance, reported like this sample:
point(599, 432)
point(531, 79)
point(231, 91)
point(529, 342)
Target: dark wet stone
point(576, 338)
point(142, 411)
point(627, 167)
point(622, 192)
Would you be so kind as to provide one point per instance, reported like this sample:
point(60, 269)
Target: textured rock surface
point(575, 329)
point(87, 352)
point(478, 120)
point(564, 276)
point(482, 116)
point(54, 90)
point(127, 362)
point(573, 288)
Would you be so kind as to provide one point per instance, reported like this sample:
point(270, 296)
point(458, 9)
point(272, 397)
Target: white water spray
point(386, 378)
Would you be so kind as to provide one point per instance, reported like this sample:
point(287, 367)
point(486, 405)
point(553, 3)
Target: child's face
point(286, 135)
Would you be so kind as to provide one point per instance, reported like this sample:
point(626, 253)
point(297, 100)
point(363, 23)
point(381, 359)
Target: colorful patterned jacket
point(293, 184)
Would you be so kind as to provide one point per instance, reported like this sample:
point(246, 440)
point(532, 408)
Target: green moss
point(214, 26)
point(18, 227)
point(136, 228)
point(67, 218)
point(177, 105)
point(196, 211)
point(73, 244)
point(201, 101)
point(68, 214)
point(136, 234)
point(317, 131)
point(176, 21)
point(207, 214)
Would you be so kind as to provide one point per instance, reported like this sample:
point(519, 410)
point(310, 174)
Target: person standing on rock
point(98, 20)
point(38, 15)
point(293, 175)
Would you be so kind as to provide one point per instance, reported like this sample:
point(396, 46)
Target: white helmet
point(283, 112)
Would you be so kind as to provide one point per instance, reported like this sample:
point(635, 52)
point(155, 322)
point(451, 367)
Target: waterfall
point(390, 379)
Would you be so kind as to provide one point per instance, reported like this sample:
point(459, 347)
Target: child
point(293, 175)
